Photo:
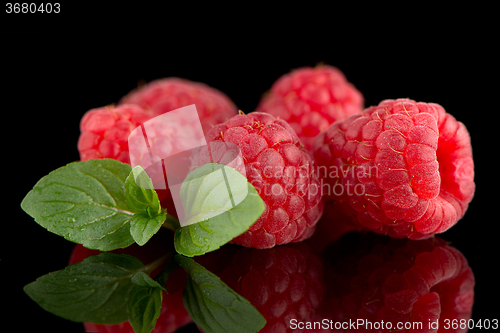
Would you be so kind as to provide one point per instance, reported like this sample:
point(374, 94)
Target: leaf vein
point(103, 186)
point(85, 204)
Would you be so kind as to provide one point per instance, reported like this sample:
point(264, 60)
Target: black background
point(55, 68)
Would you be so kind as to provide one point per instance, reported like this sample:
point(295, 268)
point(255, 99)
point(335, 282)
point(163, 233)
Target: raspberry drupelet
point(105, 131)
point(400, 168)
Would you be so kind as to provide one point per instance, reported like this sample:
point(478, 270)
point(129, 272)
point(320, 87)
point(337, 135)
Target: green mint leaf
point(215, 307)
point(141, 279)
point(85, 203)
point(140, 194)
point(203, 195)
point(143, 227)
point(93, 290)
point(144, 307)
point(210, 190)
point(144, 303)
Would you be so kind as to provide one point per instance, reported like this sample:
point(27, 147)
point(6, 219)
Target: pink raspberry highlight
point(310, 99)
point(164, 95)
point(105, 131)
point(400, 168)
point(280, 169)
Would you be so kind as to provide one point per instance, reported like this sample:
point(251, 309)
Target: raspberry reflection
point(284, 283)
point(375, 283)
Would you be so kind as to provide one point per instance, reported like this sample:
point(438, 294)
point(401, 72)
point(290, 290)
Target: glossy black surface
point(51, 79)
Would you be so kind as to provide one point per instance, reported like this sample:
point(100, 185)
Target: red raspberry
point(283, 283)
point(163, 95)
point(310, 99)
point(397, 281)
point(105, 131)
point(281, 171)
point(400, 168)
point(173, 314)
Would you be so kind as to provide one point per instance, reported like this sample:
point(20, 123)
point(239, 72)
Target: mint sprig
point(105, 205)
